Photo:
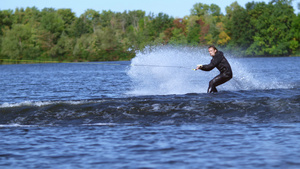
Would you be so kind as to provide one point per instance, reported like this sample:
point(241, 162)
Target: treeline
point(259, 29)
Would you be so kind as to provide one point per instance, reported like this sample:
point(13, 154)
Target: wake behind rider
point(220, 62)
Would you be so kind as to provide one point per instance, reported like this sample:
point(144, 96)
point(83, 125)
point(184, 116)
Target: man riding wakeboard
point(220, 62)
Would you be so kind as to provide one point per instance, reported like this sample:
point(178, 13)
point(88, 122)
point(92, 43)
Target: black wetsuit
point(223, 66)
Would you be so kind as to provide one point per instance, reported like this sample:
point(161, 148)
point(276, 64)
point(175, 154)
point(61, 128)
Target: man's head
point(212, 50)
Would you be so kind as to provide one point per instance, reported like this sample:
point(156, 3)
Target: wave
point(225, 107)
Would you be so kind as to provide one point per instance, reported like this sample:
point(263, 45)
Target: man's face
point(212, 51)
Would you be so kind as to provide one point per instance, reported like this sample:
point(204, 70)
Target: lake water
point(151, 112)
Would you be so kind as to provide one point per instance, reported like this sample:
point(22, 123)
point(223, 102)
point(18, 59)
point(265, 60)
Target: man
point(219, 61)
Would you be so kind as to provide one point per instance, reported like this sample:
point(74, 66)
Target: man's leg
point(212, 87)
point(218, 80)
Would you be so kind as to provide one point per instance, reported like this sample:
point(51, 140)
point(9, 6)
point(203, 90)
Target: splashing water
point(170, 71)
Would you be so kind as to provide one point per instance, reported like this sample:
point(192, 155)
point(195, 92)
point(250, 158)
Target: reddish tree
point(204, 30)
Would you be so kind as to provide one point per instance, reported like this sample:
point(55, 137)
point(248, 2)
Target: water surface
point(128, 115)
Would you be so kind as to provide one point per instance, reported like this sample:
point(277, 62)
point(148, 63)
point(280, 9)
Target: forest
point(57, 35)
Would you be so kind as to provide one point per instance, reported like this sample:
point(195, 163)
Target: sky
point(175, 8)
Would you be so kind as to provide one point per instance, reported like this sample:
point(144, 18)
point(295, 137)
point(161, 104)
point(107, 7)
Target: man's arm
point(214, 62)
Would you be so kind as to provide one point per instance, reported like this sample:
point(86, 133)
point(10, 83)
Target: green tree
point(134, 18)
point(82, 25)
point(201, 9)
point(6, 20)
point(294, 34)
point(91, 18)
point(178, 32)
point(109, 44)
point(194, 29)
point(64, 47)
point(106, 17)
point(239, 29)
point(68, 18)
point(52, 21)
point(20, 43)
point(18, 16)
point(84, 49)
point(31, 15)
point(131, 28)
point(271, 23)
point(158, 24)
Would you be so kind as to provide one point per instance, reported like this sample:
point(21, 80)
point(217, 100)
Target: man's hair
point(212, 46)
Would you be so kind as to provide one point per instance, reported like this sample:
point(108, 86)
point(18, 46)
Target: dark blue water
point(128, 115)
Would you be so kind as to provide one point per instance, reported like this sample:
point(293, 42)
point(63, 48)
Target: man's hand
point(199, 67)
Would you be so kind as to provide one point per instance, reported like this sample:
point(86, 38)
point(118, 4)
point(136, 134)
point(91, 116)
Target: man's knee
point(212, 83)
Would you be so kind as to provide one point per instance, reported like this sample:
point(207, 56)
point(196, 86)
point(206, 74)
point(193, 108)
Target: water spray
point(182, 67)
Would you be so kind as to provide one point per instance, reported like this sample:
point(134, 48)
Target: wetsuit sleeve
point(214, 62)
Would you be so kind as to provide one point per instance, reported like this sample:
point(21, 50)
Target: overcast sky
point(175, 8)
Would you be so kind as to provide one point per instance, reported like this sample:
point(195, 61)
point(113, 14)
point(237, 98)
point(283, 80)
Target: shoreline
point(15, 62)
